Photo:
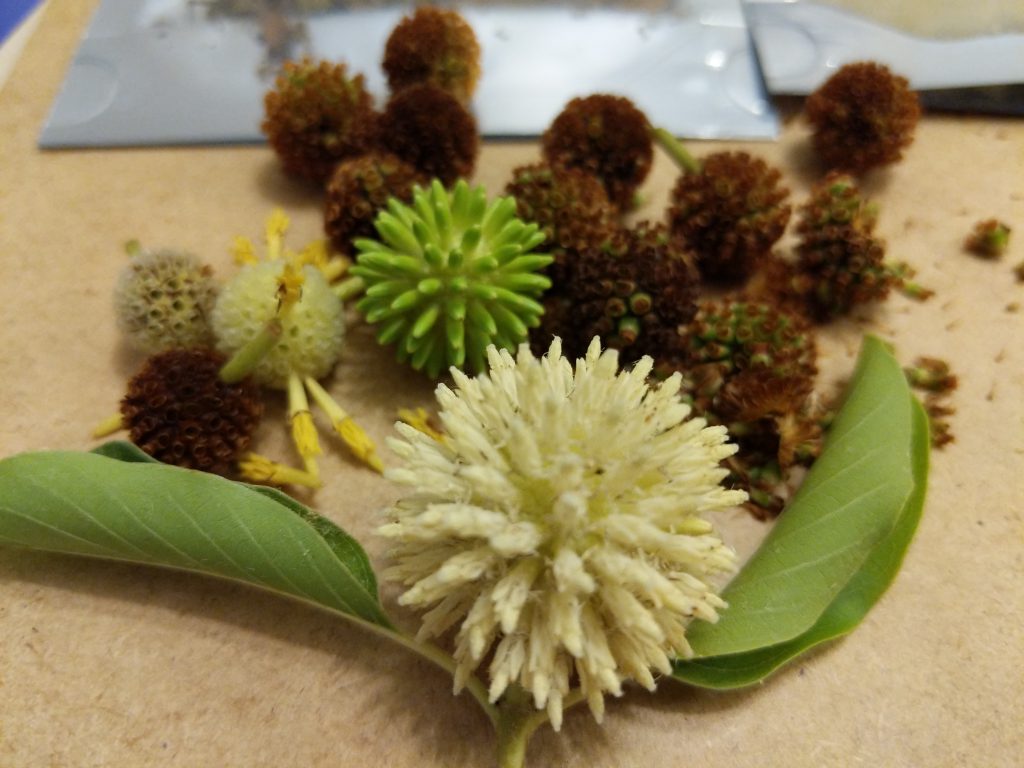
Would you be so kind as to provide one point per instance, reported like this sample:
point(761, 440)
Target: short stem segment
point(674, 149)
point(245, 360)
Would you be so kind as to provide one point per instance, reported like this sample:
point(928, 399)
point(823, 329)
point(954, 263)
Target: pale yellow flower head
point(559, 524)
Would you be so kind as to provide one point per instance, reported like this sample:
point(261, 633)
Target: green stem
point(518, 720)
point(675, 149)
point(249, 356)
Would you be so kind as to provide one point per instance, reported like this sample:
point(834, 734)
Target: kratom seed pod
point(635, 292)
point(607, 136)
point(316, 116)
point(429, 128)
point(451, 274)
point(730, 212)
point(840, 263)
point(434, 45)
point(312, 331)
point(571, 208)
point(179, 411)
point(861, 117)
point(163, 300)
point(359, 189)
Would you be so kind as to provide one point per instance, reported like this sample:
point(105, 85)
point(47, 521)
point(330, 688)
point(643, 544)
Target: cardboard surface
point(112, 665)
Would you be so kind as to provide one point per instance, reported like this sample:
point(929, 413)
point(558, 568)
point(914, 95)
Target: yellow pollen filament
point(277, 225)
point(359, 443)
point(260, 469)
point(243, 251)
point(419, 420)
point(109, 426)
point(304, 435)
point(289, 287)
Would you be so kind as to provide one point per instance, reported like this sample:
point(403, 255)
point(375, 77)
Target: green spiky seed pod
point(434, 45)
point(840, 263)
point(163, 300)
point(634, 292)
point(863, 116)
point(179, 411)
point(731, 212)
point(316, 116)
point(430, 129)
point(606, 135)
point(312, 331)
point(359, 189)
point(451, 274)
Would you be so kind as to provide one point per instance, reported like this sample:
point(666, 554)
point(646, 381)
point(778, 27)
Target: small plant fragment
point(359, 189)
point(559, 525)
point(933, 375)
point(606, 135)
point(434, 45)
point(430, 129)
point(863, 116)
point(163, 300)
point(988, 239)
point(317, 115)
point(451, 274)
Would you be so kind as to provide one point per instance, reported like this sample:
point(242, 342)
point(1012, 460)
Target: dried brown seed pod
point(434, 45)
point(730, 212)
point(316, 116)
point(430, 129)
point(606, 135)
point(863, 116)
point(634, 292)
point(988, 239)
point(359, 189)
point(179, 411)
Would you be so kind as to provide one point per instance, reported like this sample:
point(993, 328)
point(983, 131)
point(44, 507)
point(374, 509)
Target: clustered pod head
point(180, 411)
point(731, 212)
point(606, 135)
point(163, 299)
point(451, 274)
point(861, 117)
point(433, 45)
point(316, 115)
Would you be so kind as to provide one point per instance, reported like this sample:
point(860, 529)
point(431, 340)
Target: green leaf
point(839, 544)
point(119, 504)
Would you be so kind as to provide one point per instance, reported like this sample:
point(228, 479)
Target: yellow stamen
point(243, 251)
point(303, 430)
point(289, 287)
point(351, 433)
point(109, 426)
point(260, 469)
point(420, 420)
point(277, 225)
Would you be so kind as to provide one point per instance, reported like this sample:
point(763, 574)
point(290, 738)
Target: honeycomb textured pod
point(312, 331)
point(607, 136)
point(861, 117)
point(359, 189)
point(730, 212)
point(434, 45)
point(179, 411)
point(316, 116)
point(451, 274)
point(163, 300)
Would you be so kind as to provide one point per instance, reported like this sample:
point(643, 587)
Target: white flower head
point(559, 524)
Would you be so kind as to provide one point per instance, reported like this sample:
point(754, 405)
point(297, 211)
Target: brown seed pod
point(635, 292)
point(428, 128)
point(434, 45)
point(359, 189)
point(606, 135)
point(730, 212)
point(316, 116)
point(179, 411)
point(863, 116)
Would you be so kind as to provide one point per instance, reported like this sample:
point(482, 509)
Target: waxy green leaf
point(119, 504)
point(837, 547)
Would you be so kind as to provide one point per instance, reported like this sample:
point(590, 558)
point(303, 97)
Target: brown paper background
point(111, 665)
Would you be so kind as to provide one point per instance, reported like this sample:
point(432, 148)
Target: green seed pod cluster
point(316, 116)
point(863, 116)
point(312, 331)
point(731, 212)
point(163, 300)
point(634, 292)
point(840, 263)
point(179, 411)
point(451, 274)
point(359, 189)
point(606, 135)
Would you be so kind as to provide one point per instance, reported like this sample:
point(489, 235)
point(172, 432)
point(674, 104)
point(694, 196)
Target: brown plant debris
point(988, 239)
